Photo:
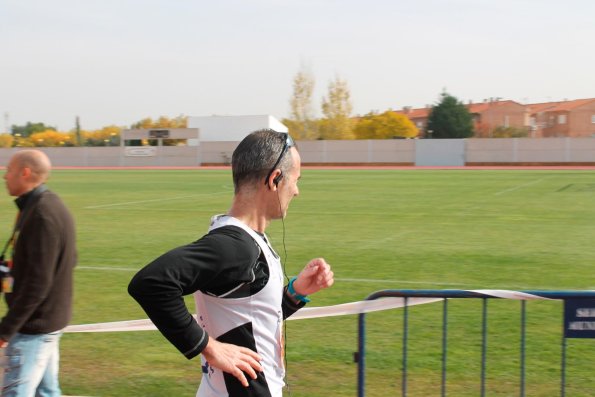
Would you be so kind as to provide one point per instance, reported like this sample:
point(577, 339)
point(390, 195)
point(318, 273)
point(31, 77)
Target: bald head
point(26, 170)
point(37, 161)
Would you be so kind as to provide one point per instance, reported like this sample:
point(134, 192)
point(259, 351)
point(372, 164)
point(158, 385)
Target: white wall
point(232, 128)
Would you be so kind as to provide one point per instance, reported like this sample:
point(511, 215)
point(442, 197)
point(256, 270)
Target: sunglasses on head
point(288, 142)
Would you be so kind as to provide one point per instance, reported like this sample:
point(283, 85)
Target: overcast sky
point(114, 62)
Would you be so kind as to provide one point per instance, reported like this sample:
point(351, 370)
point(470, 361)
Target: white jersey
point(254, 321)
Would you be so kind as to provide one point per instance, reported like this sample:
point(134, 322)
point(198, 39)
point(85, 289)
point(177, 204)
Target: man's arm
point(160, 287)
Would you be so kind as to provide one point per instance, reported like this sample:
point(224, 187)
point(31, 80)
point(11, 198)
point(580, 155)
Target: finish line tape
point(305, 313)
point(343, 309)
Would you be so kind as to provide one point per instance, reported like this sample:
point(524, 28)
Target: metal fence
point(578, 322)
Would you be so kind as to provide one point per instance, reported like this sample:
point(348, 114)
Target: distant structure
point(202, 129)
point(232, 128)
point(574, 118)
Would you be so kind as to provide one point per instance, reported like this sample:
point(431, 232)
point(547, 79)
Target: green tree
point(301, 123)
point(387, 125)
point(336, 108)
point(449, 119)
point(30, 128)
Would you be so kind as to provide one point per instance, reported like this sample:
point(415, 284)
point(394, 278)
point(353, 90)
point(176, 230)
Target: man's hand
point(316, 275)
point(233, 359)
point(3, 343)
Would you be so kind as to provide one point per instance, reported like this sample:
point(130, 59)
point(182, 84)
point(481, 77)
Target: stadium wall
point(397, 152)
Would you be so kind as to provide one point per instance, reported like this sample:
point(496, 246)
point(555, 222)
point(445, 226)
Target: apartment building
point(563, 119)
point(575, 118)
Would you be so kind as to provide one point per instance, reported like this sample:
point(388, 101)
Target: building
point(574, 118)
point(492, 114)
point(232, 128)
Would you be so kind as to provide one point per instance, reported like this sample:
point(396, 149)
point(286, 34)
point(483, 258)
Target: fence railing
point(578, 322)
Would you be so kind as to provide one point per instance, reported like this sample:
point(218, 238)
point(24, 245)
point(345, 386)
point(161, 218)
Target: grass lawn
point(381, 229)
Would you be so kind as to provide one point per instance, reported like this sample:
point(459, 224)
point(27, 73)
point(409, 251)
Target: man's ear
point(274, 179)
point(26, 172)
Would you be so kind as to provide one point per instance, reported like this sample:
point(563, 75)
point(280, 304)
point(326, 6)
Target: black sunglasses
point(288, 143)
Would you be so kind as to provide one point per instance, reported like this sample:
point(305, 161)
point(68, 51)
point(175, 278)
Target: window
point(561, 119)
point(593, 119)
point(506, 122)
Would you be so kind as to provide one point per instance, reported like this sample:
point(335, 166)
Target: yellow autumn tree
point(107, 136)
point(336, 107)
point(387, 125)
point(162, 122)
point(49, 138)
point(6, 140)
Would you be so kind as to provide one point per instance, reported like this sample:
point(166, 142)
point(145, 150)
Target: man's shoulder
point(227, 246)
point(230, 236)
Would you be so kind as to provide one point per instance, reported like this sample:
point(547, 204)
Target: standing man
point(236, 278)
point(37, 282)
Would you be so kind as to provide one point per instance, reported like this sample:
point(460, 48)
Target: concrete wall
point(428, 152)
point(440, 152)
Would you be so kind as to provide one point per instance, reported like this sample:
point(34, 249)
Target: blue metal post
point(405, 339)
point(563, 369)
point(361, 356)
point(484, 342)
point(444, 345)
point(523, 339)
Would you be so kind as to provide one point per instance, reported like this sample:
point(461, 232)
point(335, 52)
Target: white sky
point(118, 61)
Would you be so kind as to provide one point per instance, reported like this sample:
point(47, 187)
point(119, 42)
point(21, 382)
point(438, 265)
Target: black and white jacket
point(237, 282)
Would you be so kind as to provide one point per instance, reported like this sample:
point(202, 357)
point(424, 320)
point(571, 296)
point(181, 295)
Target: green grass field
point(381, 229)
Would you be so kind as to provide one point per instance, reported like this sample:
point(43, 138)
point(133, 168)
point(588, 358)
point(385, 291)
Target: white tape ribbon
point(313, 312)
point(506, 294)
point(305, 313)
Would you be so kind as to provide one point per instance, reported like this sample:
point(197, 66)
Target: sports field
point(379, 229)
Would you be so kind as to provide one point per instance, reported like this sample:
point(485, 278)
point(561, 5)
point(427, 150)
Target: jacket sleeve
point(290, 305)
point(204, 265)
point(159, 288)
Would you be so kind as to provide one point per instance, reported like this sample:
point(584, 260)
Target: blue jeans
point(32, 366)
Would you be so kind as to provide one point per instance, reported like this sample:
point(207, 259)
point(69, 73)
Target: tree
point(49, 138)
point(163, 122)
point(301, 123)
point(510, 132)
point(387, 125)
point(337, 123)
point(29, 129)
point(107, 136)
point(450, 119)
point(6, 140)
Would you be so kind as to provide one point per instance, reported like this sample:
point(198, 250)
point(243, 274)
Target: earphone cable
point(284, 263)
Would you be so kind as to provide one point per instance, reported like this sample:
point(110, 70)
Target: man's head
point(263, 157)
point(26, 170)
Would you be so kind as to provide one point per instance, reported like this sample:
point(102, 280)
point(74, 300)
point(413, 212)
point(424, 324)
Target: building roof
point(477, 108)
point(558, 106)
point(472, 107)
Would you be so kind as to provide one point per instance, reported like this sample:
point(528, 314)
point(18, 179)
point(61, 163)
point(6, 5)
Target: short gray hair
point(255, 156)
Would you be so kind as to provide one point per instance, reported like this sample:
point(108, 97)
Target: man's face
point(15, 180)
point(288, 188)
